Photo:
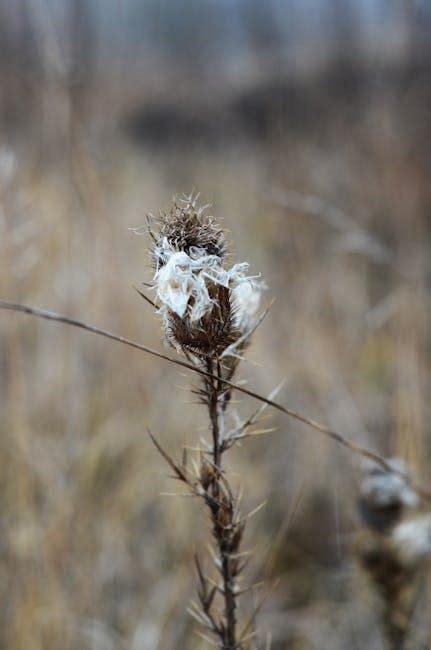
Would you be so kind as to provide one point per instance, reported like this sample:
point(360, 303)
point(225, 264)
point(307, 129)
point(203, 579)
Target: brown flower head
point(205, 305)
point(187, 227)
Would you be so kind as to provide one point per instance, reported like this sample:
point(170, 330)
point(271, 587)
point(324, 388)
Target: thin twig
point(230, 350)
point(334, 435)
point(153, 304)
point(316, 207)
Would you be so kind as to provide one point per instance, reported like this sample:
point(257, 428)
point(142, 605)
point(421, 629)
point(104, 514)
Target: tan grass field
point(92, 554)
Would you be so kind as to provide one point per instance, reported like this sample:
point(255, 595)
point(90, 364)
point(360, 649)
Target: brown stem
point(222, 530)
point(213, 408)
point(399, 610)
point(230, 604)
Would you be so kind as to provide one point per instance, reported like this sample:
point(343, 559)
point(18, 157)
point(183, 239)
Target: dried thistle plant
point(209, 313)
point(208, 309)
point(396, 547)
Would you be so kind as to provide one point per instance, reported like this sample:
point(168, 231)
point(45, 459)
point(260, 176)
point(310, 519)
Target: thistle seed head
point(412, 540)
point(206, 306)
point(381, 488)
point(186, 227)
point(384, 494)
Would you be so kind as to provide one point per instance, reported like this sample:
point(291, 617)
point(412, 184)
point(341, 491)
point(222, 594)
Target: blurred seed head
point(384, 495)
point(412, 540)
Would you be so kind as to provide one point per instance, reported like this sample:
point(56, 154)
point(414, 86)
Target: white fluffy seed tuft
point(246, 300)
point(412, 540)
point(182, 284)
point(380, 488)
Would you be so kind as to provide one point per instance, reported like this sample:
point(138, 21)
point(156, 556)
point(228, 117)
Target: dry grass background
point(92, 556)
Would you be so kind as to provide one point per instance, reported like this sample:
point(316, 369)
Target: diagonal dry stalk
point(334, 435)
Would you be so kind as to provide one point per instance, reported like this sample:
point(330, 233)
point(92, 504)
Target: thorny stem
point(395, 633)
point(222, 533)
point(230, 604)
point(215, 414)
point(398, 611)
point(334, 435)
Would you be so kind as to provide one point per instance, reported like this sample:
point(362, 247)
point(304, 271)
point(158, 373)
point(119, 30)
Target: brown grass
point(92, 556)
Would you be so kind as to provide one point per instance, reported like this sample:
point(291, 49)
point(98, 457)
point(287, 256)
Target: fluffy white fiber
point(412, 539)
point(182, 284)
point(381, 488)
